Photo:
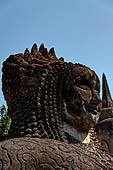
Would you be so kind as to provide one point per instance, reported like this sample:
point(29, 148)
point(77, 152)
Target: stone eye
point(85, 84)
point(84, 87)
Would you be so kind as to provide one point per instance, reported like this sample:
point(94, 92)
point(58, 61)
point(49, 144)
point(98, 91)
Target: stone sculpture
point(53, 104)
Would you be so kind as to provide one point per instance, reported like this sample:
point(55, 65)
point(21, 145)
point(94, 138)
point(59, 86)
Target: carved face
point(82, 98)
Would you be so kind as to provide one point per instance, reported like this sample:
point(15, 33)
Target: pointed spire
point(27, 56)
point(52, 52)
point(61, 59)
point(41, 49)
point(44, 51)
point(26, 53)
point(34, 49)
point(106, 96)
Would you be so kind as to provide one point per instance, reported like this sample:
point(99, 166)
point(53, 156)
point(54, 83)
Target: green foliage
point(4, 123)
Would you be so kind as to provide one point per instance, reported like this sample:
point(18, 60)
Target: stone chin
point(76, 125)
point(82, 121)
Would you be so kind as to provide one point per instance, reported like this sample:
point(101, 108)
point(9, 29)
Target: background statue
point(58, 101)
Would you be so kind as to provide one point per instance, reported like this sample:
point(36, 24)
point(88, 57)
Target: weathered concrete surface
point(48, 97)
point(53, 103)
point(48, 154)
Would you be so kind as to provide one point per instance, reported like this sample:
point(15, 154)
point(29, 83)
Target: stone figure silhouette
point(53, 105)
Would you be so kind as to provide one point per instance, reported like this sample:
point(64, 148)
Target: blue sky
point(80, 30)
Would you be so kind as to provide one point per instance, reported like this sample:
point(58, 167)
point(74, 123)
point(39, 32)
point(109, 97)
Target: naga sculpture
point(53, 106)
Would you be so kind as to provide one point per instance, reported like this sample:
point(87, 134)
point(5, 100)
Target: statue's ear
point(106, 96)
point(107, 103)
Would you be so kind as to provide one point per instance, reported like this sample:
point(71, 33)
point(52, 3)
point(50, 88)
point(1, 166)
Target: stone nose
point(95, 97)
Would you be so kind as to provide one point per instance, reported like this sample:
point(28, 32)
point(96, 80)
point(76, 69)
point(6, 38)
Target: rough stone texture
point(49, 154)
point(49, 98)
point(46, 96)
point(104, 127)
